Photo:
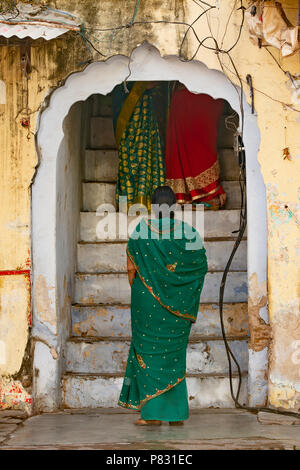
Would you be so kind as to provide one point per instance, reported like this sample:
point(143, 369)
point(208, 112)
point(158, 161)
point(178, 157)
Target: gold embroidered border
point(128, 107)
point(149, 397)
point(153, 229)
point(207, 177)
point(150, 289)
point(194, 198)
point(201, 196)
point(177, 185)
point(140, 361)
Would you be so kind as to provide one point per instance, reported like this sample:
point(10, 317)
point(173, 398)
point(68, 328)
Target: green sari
point(164, 303)
point(139, 142)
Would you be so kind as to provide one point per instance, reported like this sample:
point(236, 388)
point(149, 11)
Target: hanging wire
point(190, 28)
point(137, 4)
point(12, 8)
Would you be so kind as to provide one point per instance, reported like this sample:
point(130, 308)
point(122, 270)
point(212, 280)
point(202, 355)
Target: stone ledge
point(264, 417)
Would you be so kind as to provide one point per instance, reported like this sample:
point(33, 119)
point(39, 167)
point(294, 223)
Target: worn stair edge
point(113, 273)
point(122, 241)
point(128, 305)
point(224, 375)
point(80, 391)
point(105, 258)
point(95, 288)
point(217, 224)
point(96, 193)
point(193, 338)
point(115, 320)
point(111, 356)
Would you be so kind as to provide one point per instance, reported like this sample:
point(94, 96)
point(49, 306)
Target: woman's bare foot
point(148, 422)
point(176, 423)
point(222, 199)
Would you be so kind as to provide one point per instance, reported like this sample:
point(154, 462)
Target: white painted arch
point(145, 63)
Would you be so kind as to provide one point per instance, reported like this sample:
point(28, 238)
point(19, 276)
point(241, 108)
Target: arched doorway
point(52, 233)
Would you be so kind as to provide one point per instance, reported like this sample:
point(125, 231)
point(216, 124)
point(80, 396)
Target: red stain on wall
point(28, 260)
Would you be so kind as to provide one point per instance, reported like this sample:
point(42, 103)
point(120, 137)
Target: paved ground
point(115, 429)
point(9, 422)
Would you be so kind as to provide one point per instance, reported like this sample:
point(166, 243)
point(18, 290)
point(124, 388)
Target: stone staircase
point(97, 350)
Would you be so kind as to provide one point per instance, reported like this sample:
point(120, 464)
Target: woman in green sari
point(139, 117)
point(166, 267)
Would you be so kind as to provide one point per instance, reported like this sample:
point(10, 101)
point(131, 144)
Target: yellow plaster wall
point(53, 61)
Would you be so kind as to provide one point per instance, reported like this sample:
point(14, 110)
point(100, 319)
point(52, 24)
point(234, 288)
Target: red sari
point(192, 167)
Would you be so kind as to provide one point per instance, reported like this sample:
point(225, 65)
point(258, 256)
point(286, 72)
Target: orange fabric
point(130, 270)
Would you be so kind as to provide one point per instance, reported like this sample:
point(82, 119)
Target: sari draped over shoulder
point(139, 143)
point(192, 167)
point(170, 263)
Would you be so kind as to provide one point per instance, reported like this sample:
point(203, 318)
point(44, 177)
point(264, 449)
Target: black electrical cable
point(10, 9)
point(229, 353)
point(188, 29)
point(241, 27)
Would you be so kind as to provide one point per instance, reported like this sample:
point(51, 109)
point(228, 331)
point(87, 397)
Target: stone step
point(101, 105)
point(93, 289)
point(233, 194)
point(96, 193)
point(101, 165)
point(102, 133)
point(107, 356)
point(100, 391)
point(114, 320)
point(217, 224)
point(111, 257)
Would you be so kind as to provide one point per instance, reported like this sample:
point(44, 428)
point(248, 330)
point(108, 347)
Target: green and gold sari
point(139, 143)
point(170, 263)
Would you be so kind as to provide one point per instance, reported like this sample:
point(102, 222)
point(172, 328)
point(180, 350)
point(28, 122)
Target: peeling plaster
point(259, 330)
point(52, 350)
point(44, 307)
point(2, 92)
point(285, 357)
point(14, 312)
point(284, 395)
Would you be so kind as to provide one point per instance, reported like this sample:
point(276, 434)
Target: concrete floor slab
point(112, 429)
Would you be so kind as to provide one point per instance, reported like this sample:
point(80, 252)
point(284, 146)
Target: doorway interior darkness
point(54, 231)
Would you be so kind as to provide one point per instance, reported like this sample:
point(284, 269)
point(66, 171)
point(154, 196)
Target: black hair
point(163, 195)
